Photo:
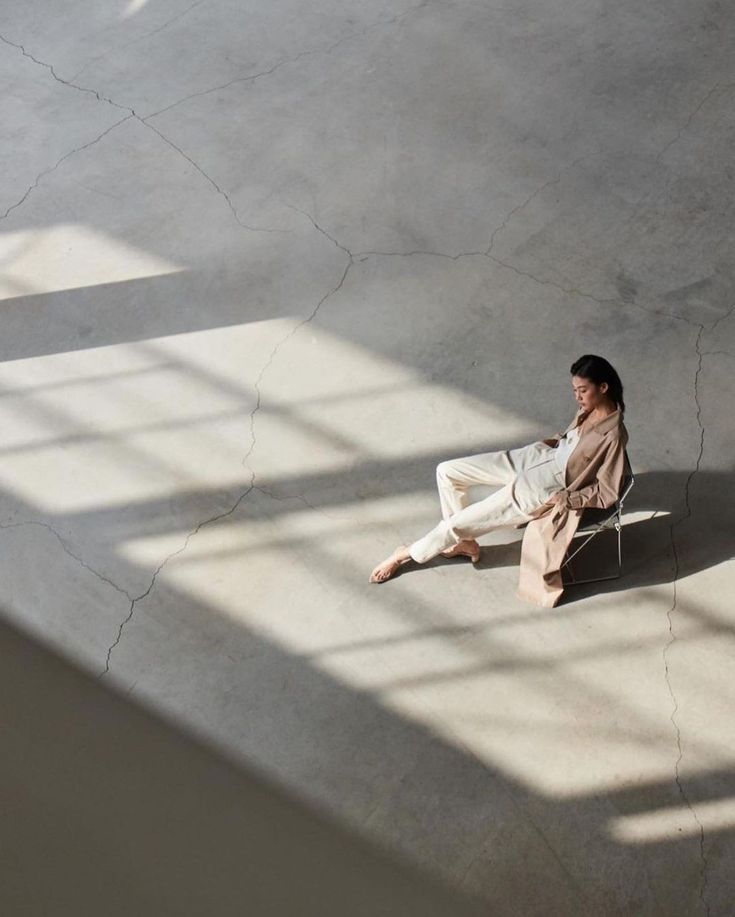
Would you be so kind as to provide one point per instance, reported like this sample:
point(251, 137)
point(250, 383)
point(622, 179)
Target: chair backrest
point(628, 480)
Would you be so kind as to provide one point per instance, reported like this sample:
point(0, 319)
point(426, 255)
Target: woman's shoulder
point(613, 428)
point(618, 430)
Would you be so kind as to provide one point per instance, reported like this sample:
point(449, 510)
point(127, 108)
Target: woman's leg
point(511, 505)
point(455, 476)
point(499, 509)
point(462, 522)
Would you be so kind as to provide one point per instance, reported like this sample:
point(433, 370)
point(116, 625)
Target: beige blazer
point(593, 477)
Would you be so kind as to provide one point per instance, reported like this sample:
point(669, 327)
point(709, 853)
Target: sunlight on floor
point(69, 257)
point(515, 689)
point(106, 429)
point(133, 7)
point(170, 414)
point(674, 822)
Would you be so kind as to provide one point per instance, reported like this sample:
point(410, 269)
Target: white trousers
point(528, 477)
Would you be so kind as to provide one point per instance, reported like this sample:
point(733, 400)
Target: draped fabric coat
point(593, 477)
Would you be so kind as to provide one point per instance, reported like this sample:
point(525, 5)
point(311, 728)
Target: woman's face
point(587, 394)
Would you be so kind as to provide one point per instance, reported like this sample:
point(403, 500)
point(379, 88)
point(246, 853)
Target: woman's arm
point(553, 440)
point(605, 489)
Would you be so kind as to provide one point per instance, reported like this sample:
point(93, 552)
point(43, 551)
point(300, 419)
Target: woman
point(548, 478)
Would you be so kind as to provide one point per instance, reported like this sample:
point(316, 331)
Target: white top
point(564, 449)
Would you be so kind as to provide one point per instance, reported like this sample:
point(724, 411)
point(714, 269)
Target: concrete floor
point(262, 267)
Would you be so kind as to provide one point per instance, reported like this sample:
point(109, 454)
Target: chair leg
point(598, 579)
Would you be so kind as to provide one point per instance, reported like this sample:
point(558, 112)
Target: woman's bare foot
point(388, 567)
point(468, 547)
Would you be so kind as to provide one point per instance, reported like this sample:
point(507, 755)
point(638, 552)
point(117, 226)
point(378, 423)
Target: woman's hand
point(559, 511)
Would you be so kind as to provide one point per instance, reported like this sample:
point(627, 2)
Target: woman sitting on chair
point(537, 480)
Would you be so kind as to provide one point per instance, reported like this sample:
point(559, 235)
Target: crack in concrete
point(295, 546)
point(96, 573)
point(209, 178)
point(690, 118)
point(145, 121)
point(112, 52)
point(323, 231)
point(131, 114)
point(292, 331)
point(289, 60)
point(677, 137)
point(672, 639)
point(487, 251)
point(717, 321)
point(612, 301)
point(543, 187)
point(124, 623)
point(133, 600)
point(418, 251)
point(251, 486)
point(56, 165)
point(59, 79)
point(67, 550)
point(277, 348)
point(302, 498)
point(570, 291)
point(367, 253)
point(704, 867)
point(670, 612)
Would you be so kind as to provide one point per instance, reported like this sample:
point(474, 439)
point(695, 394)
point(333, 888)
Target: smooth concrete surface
point(263, 266)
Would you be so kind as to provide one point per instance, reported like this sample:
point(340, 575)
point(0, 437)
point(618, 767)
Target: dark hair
point(598, 370)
